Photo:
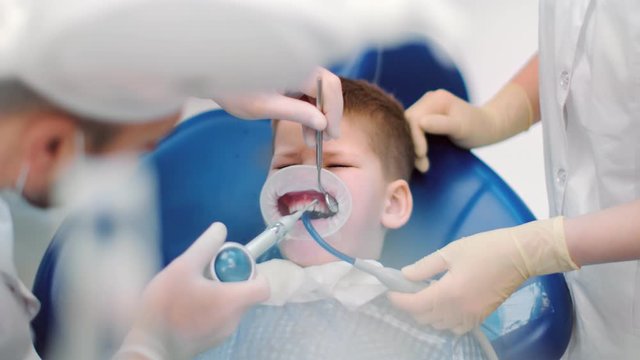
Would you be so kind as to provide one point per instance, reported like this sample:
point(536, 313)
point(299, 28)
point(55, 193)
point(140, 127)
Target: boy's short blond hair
point(382, 117)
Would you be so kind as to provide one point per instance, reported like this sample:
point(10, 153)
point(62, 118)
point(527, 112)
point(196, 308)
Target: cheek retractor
point(290, 189)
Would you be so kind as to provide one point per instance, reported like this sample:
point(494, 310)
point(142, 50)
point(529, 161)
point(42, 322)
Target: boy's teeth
point(301, 205)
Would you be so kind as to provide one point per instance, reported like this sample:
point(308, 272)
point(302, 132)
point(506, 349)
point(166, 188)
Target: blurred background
point(488, 40)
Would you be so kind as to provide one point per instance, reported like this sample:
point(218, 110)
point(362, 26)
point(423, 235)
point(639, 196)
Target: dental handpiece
point(237, 262)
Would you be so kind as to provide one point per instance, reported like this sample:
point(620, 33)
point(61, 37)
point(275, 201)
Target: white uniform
point(17, 304)
point(590, 105)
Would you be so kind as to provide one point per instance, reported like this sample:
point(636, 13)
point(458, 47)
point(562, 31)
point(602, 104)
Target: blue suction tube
point(314, 234)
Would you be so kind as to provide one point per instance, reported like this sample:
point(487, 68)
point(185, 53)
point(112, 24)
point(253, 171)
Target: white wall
point(497, 38)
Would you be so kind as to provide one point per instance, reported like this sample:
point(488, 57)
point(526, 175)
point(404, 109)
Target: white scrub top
point(17, 304)
point(590, 106)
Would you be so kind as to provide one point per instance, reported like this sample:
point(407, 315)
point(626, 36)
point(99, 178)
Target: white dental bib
point(291, 283)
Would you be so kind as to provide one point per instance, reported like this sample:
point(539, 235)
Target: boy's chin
point(305, 252)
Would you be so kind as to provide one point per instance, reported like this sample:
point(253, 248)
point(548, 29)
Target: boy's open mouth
point(294, 201)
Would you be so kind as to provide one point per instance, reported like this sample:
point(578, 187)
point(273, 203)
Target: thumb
point(200, 253)
point(309, 136)
point(425, 268)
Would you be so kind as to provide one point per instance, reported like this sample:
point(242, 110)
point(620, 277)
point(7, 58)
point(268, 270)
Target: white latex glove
point(278, 106)
point(442, 113)
point(183, 313)
point(482, 271)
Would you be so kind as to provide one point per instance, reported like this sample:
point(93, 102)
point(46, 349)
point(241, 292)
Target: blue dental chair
point(213, 166)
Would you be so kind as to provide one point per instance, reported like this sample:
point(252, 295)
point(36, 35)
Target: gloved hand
point(440, 112)
point(183, 313)
point(277, 106)
point(482, 271)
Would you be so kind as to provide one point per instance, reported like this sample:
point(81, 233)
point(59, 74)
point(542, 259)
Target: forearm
point(513, 109)
point(527, 78)
point(605, 236)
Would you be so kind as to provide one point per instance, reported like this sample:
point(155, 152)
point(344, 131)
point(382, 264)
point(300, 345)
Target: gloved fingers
point(421, 302)
point(420, 147)
point(462, 328)
point(433, 104)
point(333, 102)
point(309, 136)
point(200, 253)
point(439, 324)
point(442, 113)
point(439, 125)
point(422, 164)
point(278, 106)
point(426, 268)
point(446, 317)
point(417, 135)
point(428, 317)
point(449, 319)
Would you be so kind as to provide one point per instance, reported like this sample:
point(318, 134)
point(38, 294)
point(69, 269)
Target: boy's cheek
point(350, 178)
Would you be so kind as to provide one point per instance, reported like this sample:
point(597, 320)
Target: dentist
point(48, 97)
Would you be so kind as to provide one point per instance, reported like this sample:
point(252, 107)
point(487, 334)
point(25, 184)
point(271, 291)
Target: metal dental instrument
point(237, 262)
point(332, 203)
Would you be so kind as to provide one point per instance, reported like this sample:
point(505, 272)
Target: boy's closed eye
point(339, 165)
point(281, 166)
point(327, 166)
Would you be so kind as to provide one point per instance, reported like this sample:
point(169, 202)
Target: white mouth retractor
point(303, 178)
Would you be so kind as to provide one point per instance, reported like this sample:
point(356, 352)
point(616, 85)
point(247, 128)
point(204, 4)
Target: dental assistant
point(584, 84)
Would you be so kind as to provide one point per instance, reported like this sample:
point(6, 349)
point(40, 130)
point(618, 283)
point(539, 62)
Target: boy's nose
point(308, 156)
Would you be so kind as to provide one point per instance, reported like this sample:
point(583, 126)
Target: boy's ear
point(398, 205)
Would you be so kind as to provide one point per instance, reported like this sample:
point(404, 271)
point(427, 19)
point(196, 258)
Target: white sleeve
point(15, 332)
point(33, 355)
point(136, 60)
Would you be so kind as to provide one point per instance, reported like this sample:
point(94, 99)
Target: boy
point(329, 310)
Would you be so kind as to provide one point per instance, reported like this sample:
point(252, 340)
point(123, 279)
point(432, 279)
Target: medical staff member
point(585, 86)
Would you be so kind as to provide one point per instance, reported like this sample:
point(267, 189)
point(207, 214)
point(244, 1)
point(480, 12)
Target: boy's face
point(354, 162)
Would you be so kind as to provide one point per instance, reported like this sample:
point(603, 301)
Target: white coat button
point(561, 177)
point(564, 79)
